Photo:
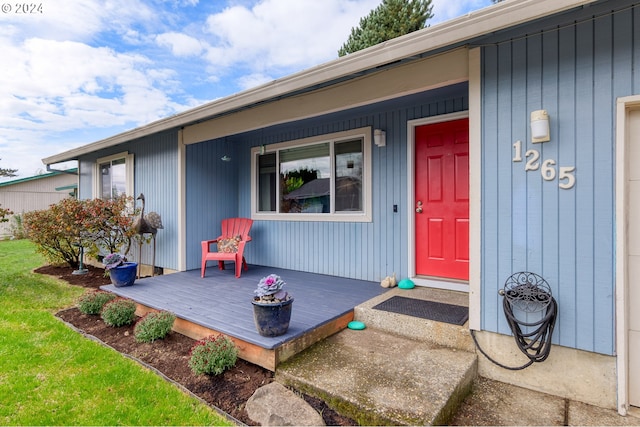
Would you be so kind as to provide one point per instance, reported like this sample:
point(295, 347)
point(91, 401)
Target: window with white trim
point(324, 178)
point(113, 176)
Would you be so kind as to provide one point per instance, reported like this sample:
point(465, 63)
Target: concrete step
point(380, 378)
point(439, 333)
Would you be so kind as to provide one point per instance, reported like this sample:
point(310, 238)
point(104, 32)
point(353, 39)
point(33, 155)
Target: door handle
point(419, 206)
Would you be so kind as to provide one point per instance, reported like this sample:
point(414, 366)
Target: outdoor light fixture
point(225, 158)
point(380, 137)
point(540, 126)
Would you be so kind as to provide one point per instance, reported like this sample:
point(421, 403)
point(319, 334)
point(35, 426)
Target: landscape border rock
point(276, 405)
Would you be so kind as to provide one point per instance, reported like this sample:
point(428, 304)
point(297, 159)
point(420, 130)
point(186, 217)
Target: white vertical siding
point(33, 194)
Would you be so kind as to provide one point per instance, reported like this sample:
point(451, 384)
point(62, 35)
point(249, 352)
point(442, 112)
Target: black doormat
point(431, 310)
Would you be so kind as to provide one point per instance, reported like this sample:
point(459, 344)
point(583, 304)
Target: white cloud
point(79, 19)
point(180, 44)
point(444, 10)
point(265, 38)
point(57, 83)
point(84, 70)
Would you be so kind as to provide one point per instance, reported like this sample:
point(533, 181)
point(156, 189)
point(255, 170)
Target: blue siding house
point(417, 156)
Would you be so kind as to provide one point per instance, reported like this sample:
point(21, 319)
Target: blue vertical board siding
point(211, 193)
point(584, 190)
point(550, 194)
point(520, 193)
point(489, 242)
point(362, 250)
point(604, 203)
point(156, 175)
point(575, 68)
point(566, 287)
point(635, 52)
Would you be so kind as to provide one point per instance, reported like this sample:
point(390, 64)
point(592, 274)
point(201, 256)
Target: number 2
point(532, 163)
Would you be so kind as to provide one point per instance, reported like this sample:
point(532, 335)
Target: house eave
point(454, 32)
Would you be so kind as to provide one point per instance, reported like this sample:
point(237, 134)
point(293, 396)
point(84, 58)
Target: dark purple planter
point(124, 275)
point(272, 320)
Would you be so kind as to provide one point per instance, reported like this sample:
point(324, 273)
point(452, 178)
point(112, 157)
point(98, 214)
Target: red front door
point(442, 200)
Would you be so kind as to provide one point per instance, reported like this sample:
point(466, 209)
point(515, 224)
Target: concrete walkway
point(383, 375)
point(378, 378)
point(500, 404)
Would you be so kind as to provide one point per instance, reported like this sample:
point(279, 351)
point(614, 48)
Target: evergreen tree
point(4, 212)
point(391, 19)
point(8, 172)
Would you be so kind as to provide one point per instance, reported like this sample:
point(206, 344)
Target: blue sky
point(77, 71)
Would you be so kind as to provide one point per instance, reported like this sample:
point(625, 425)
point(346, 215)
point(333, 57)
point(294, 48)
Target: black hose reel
point(528, 293)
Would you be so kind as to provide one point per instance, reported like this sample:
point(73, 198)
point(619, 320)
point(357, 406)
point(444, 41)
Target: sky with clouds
point(77, 71)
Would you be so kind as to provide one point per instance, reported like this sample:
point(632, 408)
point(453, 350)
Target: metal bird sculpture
point(147, 224)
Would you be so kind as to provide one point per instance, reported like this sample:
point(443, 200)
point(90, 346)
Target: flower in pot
point(121, 272)
point(270, 290)
point(272, 306)
point(112, 261)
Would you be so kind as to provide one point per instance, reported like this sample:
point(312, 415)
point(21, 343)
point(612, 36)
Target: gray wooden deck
point(223, 303)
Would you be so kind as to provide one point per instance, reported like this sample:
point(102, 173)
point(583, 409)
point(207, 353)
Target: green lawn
point(51, 375)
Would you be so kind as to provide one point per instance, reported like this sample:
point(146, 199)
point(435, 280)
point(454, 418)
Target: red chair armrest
point(206, 244)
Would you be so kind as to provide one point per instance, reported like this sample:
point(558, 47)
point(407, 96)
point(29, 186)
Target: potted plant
point(121, 272)
point(271, 306)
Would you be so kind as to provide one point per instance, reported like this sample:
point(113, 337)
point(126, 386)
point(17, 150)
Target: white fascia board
point(475, 24)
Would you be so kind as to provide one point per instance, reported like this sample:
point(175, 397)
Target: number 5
point(566, 172)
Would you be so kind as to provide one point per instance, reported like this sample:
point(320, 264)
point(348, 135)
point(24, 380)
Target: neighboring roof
point(73, 171)
point(67, 187)
point(413, 46)
point(320, 187)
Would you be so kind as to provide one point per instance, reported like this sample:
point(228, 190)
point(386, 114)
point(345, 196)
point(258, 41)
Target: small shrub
point(119, 312)
point(17, 228)
point(154, 326)
point(92, 302)
point(213, 355)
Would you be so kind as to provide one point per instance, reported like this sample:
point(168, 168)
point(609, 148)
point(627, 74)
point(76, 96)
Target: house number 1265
point(566, 174)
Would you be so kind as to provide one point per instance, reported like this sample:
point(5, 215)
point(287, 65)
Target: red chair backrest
point(232, 227)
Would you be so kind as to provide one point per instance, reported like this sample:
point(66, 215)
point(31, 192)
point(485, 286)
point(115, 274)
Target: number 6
point(547, 170)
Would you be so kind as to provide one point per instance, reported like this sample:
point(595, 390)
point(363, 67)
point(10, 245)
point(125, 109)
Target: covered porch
point(221, 304)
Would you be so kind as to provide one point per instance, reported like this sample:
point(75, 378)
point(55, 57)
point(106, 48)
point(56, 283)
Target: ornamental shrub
point(56, 231)
point(98, 225)
point(4, 213)
point(213, 355)
point(92, 302)
point(119, 312)
point(154, 326)
point(110, 225)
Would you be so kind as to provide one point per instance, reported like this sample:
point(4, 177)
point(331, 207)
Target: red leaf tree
point(99, 226)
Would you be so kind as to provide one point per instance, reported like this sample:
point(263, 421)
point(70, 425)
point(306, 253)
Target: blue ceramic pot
point(272, 319)
point(124, 275)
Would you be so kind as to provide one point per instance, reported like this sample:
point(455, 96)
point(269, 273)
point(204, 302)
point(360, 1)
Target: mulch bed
point(228, 392)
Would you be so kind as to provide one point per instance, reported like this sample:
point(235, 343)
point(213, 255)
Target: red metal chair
point(230, 244)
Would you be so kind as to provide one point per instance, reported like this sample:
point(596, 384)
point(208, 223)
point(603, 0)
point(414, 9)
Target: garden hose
point(529, 293)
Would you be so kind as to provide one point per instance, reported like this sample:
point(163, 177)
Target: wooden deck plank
point(222, 303)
